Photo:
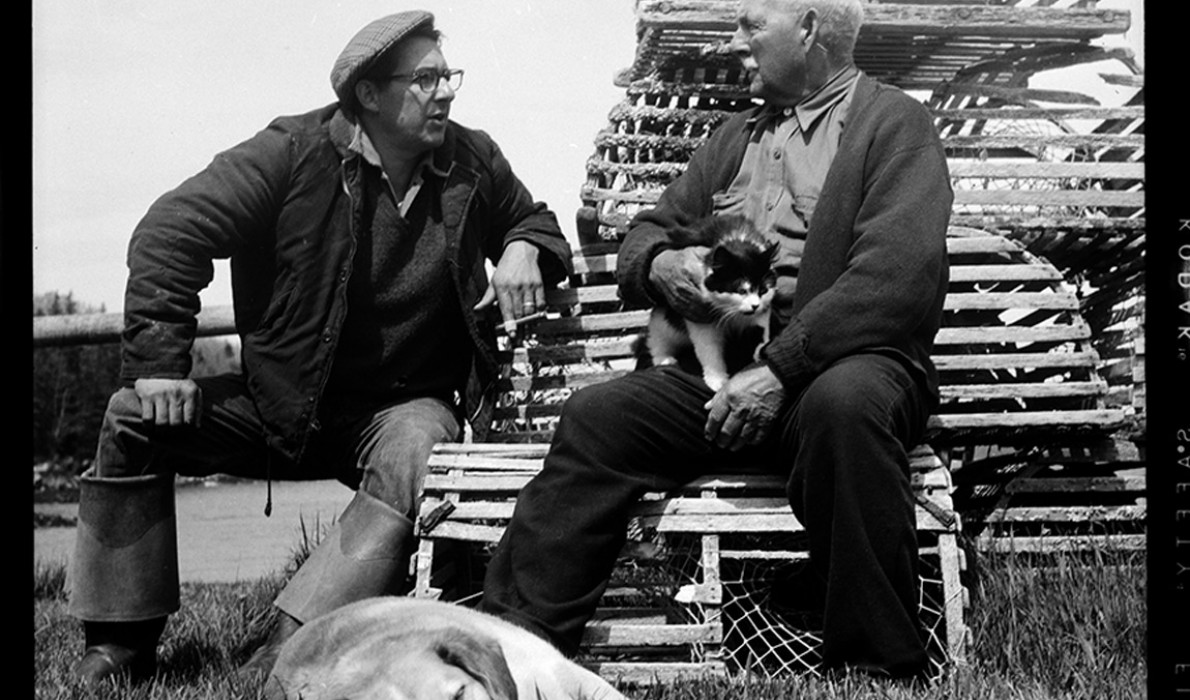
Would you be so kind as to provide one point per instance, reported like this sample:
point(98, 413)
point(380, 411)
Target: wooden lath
point(912, 45)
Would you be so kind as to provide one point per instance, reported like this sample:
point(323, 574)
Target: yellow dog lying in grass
point(393, 648)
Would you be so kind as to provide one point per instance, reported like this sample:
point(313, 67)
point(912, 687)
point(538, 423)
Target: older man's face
point(771, 42)
point(410, 118)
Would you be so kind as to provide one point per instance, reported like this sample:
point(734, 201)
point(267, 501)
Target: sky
point(130, 97)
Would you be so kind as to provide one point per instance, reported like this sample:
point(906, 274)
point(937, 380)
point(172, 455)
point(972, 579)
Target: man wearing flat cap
point(359, 236)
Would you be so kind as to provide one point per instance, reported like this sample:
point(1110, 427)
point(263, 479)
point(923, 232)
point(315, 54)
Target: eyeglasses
point(428, 80)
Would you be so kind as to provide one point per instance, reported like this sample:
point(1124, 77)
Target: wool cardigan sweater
point(874, 271)
point(284, 206)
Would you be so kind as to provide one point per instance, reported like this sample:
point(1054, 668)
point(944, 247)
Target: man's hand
point(169, 401)
point(679, 276)
point(516, 285)
point(743, 412)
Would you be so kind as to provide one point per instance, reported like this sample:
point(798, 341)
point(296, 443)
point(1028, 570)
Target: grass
point(1061, 626)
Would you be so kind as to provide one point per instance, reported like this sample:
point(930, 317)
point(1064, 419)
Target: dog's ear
point(481, 657)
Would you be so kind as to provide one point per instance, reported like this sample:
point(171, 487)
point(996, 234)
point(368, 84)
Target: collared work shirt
point(784, 167)
point(361, 144)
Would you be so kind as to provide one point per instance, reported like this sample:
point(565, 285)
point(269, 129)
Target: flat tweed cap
point(370, 43)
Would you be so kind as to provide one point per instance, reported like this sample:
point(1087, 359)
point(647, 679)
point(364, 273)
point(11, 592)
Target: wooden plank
point(1012, 334)
point(1033, 169)
point(1067, 514)
point(960, 301)
point(761, 522)
point(1089, 418)
point(1004, 273)
point(1098, 484)
point(475, 482)
point(504, 450)
point(928, 20)
point(98, 329)
point(1054, 544)
point(1038, 113)
point(1054, 197)
point(646, 673)
point(1037, 142)
point(613, 634)
point(467, 532)
point(1037, 390)
point(1017, 361)
point(954, 597)
point(484, 463)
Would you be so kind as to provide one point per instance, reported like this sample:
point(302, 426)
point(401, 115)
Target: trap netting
point(765, 632)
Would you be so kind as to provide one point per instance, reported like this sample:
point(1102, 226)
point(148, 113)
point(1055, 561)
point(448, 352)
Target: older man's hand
point(744, 410)
point(169, 401)
point(516, 284)
point(679, 276)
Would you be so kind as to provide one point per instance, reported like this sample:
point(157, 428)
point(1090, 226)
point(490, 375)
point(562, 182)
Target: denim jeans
point(382, 450)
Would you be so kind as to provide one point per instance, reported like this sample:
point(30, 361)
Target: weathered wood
point(612, 634)
point(1049, 197)
point(1019, 544)
point(1045, 170)
point(1067, 514)
point(930, 20)
point(97, 329)
point(1100, 484)
point(1098, 419)
point(650, 673)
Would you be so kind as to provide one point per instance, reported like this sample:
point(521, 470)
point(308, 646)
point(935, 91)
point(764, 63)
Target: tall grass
point(1061, 626)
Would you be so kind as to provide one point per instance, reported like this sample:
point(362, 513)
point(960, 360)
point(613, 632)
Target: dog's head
point(435, 664)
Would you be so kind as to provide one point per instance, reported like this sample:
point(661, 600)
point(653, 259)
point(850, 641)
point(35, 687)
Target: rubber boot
point(123, 579)
point(365, 554)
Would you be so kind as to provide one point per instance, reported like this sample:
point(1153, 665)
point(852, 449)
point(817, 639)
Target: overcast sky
point(130, 97)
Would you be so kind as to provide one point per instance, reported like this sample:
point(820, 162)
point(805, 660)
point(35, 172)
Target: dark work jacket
point(874, 272)
point(284, 206)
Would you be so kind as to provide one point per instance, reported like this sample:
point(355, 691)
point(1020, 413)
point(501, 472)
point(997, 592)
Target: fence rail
point(97, 329)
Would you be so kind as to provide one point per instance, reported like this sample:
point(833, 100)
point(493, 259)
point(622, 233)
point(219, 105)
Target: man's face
point(771, 42)
point(410, 118)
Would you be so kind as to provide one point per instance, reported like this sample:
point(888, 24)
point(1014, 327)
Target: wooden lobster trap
point(1018, 359)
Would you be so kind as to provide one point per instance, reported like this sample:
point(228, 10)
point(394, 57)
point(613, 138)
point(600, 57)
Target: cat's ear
point(772, 249)
point(720, 256)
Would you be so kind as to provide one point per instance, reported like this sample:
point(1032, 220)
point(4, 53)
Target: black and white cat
point(740, 281)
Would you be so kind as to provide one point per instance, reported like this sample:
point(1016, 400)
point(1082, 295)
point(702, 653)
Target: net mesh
point(761, 637)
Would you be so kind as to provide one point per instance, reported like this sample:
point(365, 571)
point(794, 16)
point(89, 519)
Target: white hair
point(840, 22)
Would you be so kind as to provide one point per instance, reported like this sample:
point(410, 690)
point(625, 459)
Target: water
point(223, 534)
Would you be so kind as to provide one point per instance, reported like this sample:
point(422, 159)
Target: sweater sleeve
point(889, 287)
point(686, 200)
point(171, 253)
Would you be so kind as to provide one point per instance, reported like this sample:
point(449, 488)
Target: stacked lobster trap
point(1031, 448)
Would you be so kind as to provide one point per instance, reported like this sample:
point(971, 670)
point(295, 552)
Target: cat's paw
point(664, 361)
point(715, 381)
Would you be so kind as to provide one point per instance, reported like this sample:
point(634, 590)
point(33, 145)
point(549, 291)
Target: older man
point(849, 176)
point(358, 235)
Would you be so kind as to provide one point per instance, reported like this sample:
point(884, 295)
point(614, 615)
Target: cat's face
point(741, 278)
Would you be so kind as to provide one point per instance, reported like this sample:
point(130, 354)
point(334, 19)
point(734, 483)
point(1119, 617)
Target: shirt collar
point(813, 106)
point(362, 144)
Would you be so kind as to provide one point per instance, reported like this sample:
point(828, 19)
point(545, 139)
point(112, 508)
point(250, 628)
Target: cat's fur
point(740, 281)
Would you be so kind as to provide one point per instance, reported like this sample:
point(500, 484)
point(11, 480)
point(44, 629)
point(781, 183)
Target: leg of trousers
point(842, 443)
point(384, 452)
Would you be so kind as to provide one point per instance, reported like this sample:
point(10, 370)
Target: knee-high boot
point(365, 554)
point(123, 580)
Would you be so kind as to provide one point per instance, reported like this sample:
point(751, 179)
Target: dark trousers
point(842, 442)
